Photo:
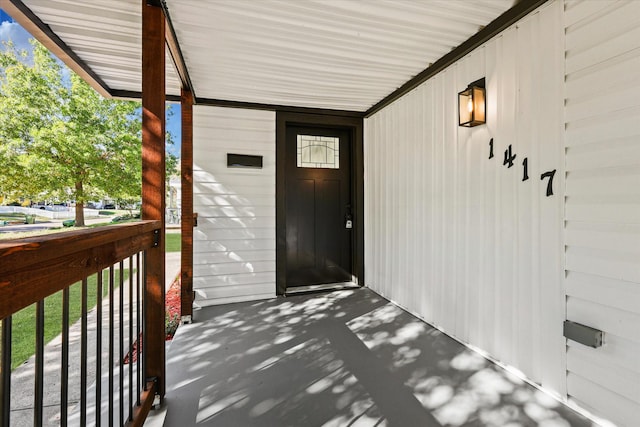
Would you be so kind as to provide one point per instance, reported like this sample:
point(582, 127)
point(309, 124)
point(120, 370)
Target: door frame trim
point(355, 126)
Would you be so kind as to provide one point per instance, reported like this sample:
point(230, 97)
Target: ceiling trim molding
point(521, 9)
point(132, 95)
point(276, 107)
point(43, 33)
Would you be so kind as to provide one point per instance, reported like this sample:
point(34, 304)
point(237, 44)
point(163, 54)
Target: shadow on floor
point(346, 358)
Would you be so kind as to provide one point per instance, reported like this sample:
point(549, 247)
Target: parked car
point(109, 206)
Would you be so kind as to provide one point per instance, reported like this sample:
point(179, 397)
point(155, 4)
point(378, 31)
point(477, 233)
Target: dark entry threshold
point(345, 358)
point(327, 287)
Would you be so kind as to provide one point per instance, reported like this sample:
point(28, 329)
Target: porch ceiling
point(335, 54)
point(106, 36)
point(338, 54)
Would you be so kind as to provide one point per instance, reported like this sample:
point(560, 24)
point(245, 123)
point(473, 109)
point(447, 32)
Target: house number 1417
point(510, 157)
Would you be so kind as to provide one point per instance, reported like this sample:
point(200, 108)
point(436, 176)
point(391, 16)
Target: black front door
point(318, 206)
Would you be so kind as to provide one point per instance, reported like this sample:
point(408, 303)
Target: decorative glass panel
point(318, 152)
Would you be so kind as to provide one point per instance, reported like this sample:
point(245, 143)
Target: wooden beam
point(153, 186)
point(176, 52)
point(141, 411)
point(45, 35)
point(24, 253)
point(187, 220)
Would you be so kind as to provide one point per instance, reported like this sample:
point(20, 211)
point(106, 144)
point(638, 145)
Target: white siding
point(234, 243)
point(602, 223)
point(457, 237)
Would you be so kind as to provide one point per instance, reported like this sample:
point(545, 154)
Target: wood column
point(153, 187)
point(187, 220)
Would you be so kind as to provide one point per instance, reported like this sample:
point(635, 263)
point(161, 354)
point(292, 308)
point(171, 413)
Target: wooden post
point(187, 220)
point(153, 186)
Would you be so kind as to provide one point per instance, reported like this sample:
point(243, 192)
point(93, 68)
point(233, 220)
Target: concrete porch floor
point(346, 358)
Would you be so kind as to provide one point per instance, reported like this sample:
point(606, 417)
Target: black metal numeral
point(525, 169)
point(491, 148)
point(549, 175)
point(509, 157)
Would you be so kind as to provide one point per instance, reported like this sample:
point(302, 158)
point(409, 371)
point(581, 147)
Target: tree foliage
point(59, 138)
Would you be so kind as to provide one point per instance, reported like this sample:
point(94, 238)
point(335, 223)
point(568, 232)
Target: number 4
point(509, 157)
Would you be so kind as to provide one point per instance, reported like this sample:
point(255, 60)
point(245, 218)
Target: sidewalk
point(22, 386)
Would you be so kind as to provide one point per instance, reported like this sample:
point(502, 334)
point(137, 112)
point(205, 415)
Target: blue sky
point(173, 126)
point(10, 30)
point(4, 17)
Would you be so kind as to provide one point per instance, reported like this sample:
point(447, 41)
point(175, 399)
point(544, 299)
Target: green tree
point(60, 138)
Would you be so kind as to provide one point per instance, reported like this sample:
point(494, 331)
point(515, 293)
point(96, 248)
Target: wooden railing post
point(153, 186)
point(187, 220)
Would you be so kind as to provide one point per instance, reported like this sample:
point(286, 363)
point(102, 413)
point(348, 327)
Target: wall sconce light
point(472, 105)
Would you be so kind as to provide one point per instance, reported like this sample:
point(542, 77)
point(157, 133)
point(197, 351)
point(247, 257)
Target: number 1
point(525, 169)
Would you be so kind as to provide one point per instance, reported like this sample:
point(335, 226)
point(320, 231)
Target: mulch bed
point(172, 304)
point(172, 309)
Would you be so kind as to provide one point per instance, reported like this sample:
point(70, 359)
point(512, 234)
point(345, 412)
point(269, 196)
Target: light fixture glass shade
point(472, 105)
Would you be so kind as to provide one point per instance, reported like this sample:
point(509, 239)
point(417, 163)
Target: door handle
point(348, 219)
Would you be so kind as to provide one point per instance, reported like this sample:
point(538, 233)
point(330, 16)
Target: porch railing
point(107, 262)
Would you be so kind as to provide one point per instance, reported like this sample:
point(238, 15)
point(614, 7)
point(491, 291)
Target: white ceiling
point(336, 54)
point(107, 36)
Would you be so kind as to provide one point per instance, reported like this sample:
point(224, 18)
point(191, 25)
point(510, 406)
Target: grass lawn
point(8, 216)
point(172, 242)
point(53, 230)
point(24, 321)
point(18, 218)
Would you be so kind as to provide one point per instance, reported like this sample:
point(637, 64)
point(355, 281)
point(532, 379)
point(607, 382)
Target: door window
point(318, 152)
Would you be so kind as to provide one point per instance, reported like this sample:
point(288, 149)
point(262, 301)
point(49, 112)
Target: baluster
point(111, 344)
point(39, 383)
point(98, 405)
point(121, 343)
point(64, 374)
point(83, 355)
point(138, 330)
point(5, 373)
point(130, 338)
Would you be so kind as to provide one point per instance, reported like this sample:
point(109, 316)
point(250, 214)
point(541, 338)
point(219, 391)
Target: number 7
point(549, 175)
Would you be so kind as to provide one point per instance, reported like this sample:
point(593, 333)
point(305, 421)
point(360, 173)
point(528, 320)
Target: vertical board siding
point(234, 243)
point(458, 238)
point(602, 222)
